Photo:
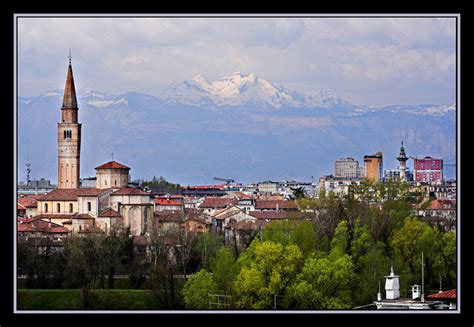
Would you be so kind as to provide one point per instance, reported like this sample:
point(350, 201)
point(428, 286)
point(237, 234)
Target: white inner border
point(350, 311)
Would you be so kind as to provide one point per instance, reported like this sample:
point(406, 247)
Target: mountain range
point(240, 126)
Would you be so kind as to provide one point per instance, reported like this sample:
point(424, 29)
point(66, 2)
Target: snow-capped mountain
point(240, 126)
point(239, 89)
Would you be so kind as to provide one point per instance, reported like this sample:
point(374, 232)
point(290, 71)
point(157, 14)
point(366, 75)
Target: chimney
point(416, 292)
point(392, 286)
point(379, 294)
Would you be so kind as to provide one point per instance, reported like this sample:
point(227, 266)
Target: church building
point(110, 204)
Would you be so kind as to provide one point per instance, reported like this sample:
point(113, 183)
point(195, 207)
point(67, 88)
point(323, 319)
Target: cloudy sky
point(375, 61)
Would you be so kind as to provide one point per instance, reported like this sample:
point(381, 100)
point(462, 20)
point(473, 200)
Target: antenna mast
point(28, 170)
point(422, 279)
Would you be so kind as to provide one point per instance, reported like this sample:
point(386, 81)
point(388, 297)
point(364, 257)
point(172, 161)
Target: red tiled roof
point(272, 204)
point(442, 204)
point(249, 225)
point(83, 216)
point(451, 294)
point(112, 165)
point(91, 191)
point(109, 212)
point(165, 202)
point(169, 216)
point(269, 214)
point(61, 194)
point(29, 201)
point(130, 191)
point(20, 206)
point(55, 216)
point(58, 230)
point(217, 202)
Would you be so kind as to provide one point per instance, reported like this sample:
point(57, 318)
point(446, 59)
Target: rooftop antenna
point(28, 169)
point(112, 155)
point(422, 279)
point(70, 56)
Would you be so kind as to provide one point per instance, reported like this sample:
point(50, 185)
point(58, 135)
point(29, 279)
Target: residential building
point(268, 187)
point(373, 166)
point(428, 170)
point(337, 185)
point(347, 168)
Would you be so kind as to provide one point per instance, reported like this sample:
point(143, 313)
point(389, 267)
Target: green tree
point(224, 269)
point(324, 283)
point(408, 243)
point(196, 290)
point(267, 269)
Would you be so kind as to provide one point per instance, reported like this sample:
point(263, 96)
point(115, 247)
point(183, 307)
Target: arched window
point(89, 206)
point(115, 182)
point(65, 134)
point(58, 207)
point(105, 182)
point(45, 207)
point(70, 207)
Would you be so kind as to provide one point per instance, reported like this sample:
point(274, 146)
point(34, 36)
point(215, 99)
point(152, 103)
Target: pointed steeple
point(69, 100)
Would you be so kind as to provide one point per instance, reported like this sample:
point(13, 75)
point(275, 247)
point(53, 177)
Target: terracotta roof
point(442, 204)
point(91, 191)
point(61, 194)
point(19, 206)
point(83, 216)
point(217, 202)
point(169, 216)
point(165, 202)
point(29, 201)
point(109, 212)
point(269, 214)
point(39, 225)
point(55, 230)
point(272, 204)
point(198, 219)
point(130, 191)
point(451, 294)
point(112, 165)
point(55, 216)
point(249, 225)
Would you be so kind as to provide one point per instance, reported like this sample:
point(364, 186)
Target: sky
point(373, 61)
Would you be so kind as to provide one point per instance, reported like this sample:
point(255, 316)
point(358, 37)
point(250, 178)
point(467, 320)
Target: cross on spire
point(70, 56)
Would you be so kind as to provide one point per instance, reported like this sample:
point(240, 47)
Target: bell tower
point(69, 136)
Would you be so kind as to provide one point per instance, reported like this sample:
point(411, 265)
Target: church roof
point(61, 194)
point(69, 99)
point(112, 165)
point(451, 294)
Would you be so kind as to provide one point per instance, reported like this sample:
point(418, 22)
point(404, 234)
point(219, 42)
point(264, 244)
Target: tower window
point(58, 207)
point(116, 182)
point(89, 206)
point(45, 207)
point(70, 207)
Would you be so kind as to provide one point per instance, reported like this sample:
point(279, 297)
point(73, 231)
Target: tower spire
point(69, 99)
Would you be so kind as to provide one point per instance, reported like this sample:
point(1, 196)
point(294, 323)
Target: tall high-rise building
point(373, 165)
point(402, 167)
point(347, 168)
point(428, 169)
point(69, 137)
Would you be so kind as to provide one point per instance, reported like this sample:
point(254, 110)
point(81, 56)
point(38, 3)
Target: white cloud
point(311, 53)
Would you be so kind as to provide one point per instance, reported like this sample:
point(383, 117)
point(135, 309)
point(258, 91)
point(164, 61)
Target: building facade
point(347, 168)
point(428, 170)
point(373, 166)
